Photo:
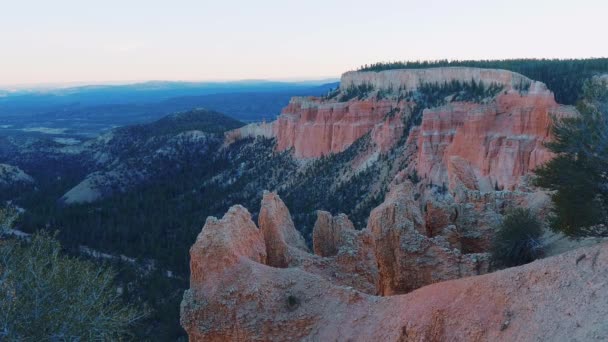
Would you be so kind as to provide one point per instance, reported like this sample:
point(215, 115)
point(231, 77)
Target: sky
point(69, 41)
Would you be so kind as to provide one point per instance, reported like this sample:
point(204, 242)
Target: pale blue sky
point(52, 41)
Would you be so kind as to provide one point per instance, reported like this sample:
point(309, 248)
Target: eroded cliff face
point(484, 144)
point(235, 295)
point(313, 127)
point(487, 146)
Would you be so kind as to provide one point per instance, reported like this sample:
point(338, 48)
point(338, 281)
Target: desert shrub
point(47, 296)
point(518, 239)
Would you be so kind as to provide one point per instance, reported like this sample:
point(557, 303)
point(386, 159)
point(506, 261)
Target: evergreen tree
point(579, 172)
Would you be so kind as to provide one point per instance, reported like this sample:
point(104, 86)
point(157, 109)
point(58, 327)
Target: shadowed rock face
point(349, 253)
point(328, 233)
point(283, 241)
point(408, 257)
point(234, 295)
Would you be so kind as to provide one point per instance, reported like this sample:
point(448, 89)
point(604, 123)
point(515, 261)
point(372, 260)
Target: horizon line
point(73, 84)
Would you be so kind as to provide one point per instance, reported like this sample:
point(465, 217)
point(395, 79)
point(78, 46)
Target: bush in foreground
point(518, 239)
point(45, 295)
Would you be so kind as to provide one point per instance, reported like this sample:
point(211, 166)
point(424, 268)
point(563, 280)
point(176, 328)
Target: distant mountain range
point(90, 110)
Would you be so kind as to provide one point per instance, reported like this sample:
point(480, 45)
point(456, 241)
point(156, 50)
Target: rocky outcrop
point(350, 254)
point(468, 218)
point(409, 257)
point(283, 242)
point(487, 146)
point(235, 296)
point(217, 248)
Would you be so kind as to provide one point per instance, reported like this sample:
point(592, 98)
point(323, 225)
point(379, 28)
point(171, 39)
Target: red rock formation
point(483, 146)
point(218, 248)
point(313, 127)
point(351, 263)
point(234, 296)
point(251, 284)
point(479, 145)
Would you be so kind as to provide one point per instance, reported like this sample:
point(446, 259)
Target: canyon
point(456, 148)
point(478, 144)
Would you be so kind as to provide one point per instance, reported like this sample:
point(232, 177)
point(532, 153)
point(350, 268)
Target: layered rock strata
point(484, 145)
point(487, 146)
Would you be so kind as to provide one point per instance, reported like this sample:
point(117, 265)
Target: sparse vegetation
point(356, 91)
point(7, 216)
point(517, 240)
point(430, 95)
point(332, 93)
point(323, 185)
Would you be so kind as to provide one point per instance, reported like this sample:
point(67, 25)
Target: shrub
point(518, 239)
point(7, 216)
point(46, 296)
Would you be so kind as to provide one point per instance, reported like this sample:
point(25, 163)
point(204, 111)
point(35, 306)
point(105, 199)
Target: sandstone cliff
point(313, 127)
point(487, 146)
point(235, 295)
point(484, 144)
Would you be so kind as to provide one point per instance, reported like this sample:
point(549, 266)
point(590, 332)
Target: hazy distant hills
point(90, 110)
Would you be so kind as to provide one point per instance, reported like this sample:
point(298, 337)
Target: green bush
point(518, 239)
point(46, 296)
